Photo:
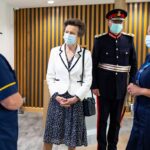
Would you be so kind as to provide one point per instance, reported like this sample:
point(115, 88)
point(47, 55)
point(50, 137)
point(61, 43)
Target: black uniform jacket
point(115, 50)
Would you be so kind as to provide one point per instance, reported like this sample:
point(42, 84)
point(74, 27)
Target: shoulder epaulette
point(128, 34)
point(99, 35)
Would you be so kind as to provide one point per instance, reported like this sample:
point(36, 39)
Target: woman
point(65, 120)
point(10, 101)
point(140, 134)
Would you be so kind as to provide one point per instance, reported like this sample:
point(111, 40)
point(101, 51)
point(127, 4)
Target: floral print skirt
point(65, 125)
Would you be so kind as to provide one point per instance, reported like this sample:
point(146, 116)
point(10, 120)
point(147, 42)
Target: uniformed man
point(10, 101)
point(113, 57)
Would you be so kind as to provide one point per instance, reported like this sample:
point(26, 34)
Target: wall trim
point(33, 109)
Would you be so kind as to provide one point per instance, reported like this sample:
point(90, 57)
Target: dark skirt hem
point(65, 125)
point(56, 142)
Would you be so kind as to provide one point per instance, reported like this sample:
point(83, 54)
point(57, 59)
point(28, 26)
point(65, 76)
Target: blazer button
point(106, 53)
point(116, 73)
point(117, 57)
point(116, 49)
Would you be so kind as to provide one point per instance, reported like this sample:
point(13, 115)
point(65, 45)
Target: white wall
point(7, 28)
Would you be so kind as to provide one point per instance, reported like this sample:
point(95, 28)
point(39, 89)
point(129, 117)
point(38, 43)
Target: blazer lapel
point(63, 57)
point(76, 57)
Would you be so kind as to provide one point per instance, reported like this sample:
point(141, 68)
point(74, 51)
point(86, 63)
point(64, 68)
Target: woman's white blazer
point(61, 79)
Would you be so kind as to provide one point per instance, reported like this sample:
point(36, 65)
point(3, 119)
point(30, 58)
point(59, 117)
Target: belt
point(115, 68)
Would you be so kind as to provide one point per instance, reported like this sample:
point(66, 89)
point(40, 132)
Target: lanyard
point(141, 71)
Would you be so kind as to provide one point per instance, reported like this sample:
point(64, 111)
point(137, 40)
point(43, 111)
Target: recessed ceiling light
point(50, 2)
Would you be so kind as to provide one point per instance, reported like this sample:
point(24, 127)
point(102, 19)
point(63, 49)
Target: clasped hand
point(66, 102)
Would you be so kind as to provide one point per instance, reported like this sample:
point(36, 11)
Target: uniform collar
point(114, 35)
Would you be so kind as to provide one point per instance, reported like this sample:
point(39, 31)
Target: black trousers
point(106, 108)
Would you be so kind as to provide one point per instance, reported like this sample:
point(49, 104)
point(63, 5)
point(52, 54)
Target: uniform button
point(116, 41)
point(116, 49)
point(106, 53)
point(116, 73)
point(117, 57)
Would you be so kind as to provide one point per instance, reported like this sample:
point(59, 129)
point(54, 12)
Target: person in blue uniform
point(114, 57)
point(10, 101)
point(140, 134)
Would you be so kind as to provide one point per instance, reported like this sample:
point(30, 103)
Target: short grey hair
point(78, 23)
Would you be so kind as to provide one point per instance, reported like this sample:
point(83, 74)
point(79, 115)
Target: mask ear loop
point(148, 30)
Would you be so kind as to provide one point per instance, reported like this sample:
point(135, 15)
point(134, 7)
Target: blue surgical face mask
point(147, 40)
point(70, 39)
point(116, 28)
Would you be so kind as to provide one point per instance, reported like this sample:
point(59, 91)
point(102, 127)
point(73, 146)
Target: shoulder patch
point(128, 34)
point(99, 35)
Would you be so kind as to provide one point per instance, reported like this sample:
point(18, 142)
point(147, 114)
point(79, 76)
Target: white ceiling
point(43, 3)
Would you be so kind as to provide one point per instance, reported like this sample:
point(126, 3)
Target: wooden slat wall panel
point(145, 7)
point(88, 21)
point(25, 52)
point(49, 32)
point(140, 33)
point(33, 58)
point(29, 65)
point(102, 23)
point(36, 58)
point(18, 47)
point(45, 43)
point(97, 19)
point(15, 40)
point(37, 30)
point(137, 23)
point(148, 12)
point(83, 18)
point(61, 23)
point(21, 50)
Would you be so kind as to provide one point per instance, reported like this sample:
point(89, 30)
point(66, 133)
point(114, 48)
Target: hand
point(12, 102)
point(134, 90)
point(96, 92)
point(61, 101)
point(148, 30)
point(70, 101)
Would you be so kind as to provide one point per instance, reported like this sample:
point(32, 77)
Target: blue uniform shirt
point(140, 134)
point(8, 118)
point(144, 81)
